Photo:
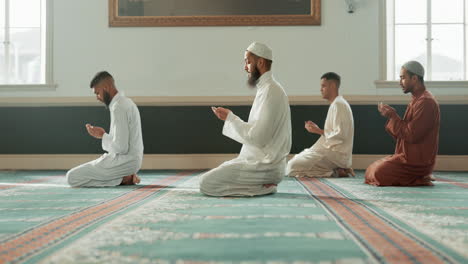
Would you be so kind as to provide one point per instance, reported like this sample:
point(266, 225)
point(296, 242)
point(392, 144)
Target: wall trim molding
point(184, 161)
point(28, 87)
point(215, 100)
point(462, 85)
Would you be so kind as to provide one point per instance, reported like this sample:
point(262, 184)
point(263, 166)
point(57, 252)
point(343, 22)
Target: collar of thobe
point(419, 95)
point(334, 100)
point(265, 78)
point(115, 100)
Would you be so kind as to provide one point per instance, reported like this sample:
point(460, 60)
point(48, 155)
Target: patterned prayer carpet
point(166, 220)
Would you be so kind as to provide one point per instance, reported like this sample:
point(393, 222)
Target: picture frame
point(167, 13)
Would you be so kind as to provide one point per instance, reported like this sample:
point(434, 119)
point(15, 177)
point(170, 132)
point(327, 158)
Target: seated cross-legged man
point(331, 155)
point(123, 143)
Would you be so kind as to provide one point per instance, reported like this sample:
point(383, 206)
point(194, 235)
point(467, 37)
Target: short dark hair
point(99, 77)
point(332, 76)
point(411, 74)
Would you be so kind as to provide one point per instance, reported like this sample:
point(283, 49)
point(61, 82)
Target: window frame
point(384, 82)
point(49, 80)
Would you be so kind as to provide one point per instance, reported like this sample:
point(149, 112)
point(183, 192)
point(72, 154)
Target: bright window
point(23, 43)
point(432, 32)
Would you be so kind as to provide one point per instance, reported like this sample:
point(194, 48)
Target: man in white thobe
point(266, 137)
point(123, 143)
point(331, 155)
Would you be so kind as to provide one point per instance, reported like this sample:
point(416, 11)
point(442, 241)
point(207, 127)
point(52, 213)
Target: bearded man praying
point(123, 143)
point(265, 137)
point(416, 135)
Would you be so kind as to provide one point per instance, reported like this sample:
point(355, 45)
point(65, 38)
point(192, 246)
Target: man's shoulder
point(428, 98)
point(341, 102)
point(125, 103)
point(274, 88)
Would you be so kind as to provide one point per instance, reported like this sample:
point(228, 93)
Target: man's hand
point(386, 110)
point(313, 128)
point(94, 131)
point(221, 112)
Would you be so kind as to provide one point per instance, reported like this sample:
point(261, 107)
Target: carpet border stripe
point(38, 239)
point(452, 182)
point(392, 245)
point(441, 254)
point(18, 184)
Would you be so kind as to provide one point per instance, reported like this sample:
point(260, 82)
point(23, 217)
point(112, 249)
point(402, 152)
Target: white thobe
point(266, 139)
point(124, 146)
point(332, 150)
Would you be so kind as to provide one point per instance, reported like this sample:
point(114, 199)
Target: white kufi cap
point(261, 50)
point(414, 67)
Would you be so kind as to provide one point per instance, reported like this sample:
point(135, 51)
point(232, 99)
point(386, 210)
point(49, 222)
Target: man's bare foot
point(269, 185)
point(350, 171)
point(346, 172)
point(135, 179)
point(130, 180)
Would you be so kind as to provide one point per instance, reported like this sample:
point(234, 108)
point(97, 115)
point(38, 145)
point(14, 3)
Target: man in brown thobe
point(417, 135)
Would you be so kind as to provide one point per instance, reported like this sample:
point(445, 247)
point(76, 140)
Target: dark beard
point(253, 78)
point(106, 99)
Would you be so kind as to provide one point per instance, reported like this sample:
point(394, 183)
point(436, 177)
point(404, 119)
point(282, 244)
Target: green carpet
point(166, 220)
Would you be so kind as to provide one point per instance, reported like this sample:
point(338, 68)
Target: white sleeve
point(117, 139)
point(340, 126)
point(257, 132)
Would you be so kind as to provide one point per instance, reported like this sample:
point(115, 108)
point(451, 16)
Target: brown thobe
point(417, 141)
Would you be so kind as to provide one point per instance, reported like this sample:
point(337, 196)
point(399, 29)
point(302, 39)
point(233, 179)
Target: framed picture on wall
point(161, 13)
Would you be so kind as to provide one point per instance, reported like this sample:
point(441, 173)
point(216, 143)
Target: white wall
point(201, 61)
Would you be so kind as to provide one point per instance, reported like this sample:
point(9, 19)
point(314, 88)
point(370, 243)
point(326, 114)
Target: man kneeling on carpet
point(123, 143)
point(416, 135)
point(265, 137)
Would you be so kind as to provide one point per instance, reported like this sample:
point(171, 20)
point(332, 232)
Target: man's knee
point(209, 184)
point(73, 178)
point(205, 182)
point(292, 165)
point(380, 169)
